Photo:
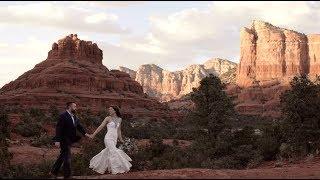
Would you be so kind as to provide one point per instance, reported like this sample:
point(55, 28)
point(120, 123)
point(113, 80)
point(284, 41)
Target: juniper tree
point(213, 108)
point(301, 109)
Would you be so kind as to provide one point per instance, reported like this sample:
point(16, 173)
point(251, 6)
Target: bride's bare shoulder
point(108, 118)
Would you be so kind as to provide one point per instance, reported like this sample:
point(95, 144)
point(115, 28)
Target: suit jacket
point(66, 131)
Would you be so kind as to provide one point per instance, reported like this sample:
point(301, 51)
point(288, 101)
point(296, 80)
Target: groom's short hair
point(69, 103)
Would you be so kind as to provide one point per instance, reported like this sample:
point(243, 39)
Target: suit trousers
point(65, 159)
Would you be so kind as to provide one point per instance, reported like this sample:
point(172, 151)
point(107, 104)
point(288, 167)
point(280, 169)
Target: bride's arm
point(104, 122)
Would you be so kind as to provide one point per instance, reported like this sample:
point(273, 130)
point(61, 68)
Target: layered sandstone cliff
point(73, 71)
point(268, 53)
point(166, 85)
point(314, 54)
point(269, 58)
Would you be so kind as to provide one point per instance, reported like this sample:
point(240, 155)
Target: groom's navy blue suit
point(66, 134)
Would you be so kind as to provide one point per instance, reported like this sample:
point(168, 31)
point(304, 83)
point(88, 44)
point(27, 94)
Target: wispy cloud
point(60, 16)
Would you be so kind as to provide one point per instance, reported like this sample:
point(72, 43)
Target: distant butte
point(268, 53)
point(269, 58)
point(71, 47)
point(73, 71)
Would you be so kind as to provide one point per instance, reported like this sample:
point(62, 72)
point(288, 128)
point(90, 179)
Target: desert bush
point(19, 172)
point(29, 129)
point(232, 149)
point(88, 119)
point(159, 156)
point(43, 140)
point(80, 165)
point(143, 129)
point(39, 171)
point(54, 114)
point(36, 113)
point(129, 146)
point(5, 155)
point(270, 141)
point(31, 123)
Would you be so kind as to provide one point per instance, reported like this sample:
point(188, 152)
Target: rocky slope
point(73, 71)
point(166, 85)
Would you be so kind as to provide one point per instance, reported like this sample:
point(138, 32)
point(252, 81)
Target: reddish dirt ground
point(310, 172)
point(306, 169)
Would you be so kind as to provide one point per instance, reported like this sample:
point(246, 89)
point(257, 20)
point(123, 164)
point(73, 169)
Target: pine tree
point(301, 110)
point(213, 108)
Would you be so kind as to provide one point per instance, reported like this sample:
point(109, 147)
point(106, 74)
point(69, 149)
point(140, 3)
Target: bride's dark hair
point(116, 109)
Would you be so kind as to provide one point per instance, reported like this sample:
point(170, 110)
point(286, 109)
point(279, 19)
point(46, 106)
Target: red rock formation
point(165, 85)
point(74, 71)
point(314, 54)
point(246, 67)
point(268, 52)
point(269, 58)
point(72, 48)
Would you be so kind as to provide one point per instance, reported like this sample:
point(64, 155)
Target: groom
point(66, 135)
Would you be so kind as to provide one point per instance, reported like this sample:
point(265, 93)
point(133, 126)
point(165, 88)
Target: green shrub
point(159, 156)
point(225, 162)
point(43, 140)
point(54, 114)
point(270, 141)
point(29, 129)
point(143, 129)
point(36, 113)
point(43, 169)
point(19, 172)
point(39, 171)
point(80, 165)
point(88, 119)
point(31, 123)
point(5, 156)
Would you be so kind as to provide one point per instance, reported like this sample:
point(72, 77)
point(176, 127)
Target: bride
point(111, 158)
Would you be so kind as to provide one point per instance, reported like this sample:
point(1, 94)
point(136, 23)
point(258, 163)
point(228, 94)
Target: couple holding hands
point(110, 158)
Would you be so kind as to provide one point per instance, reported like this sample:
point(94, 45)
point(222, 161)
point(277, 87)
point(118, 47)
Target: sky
point(171, 34)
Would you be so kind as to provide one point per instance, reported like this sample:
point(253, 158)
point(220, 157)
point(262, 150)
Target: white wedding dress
point(111, 158)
